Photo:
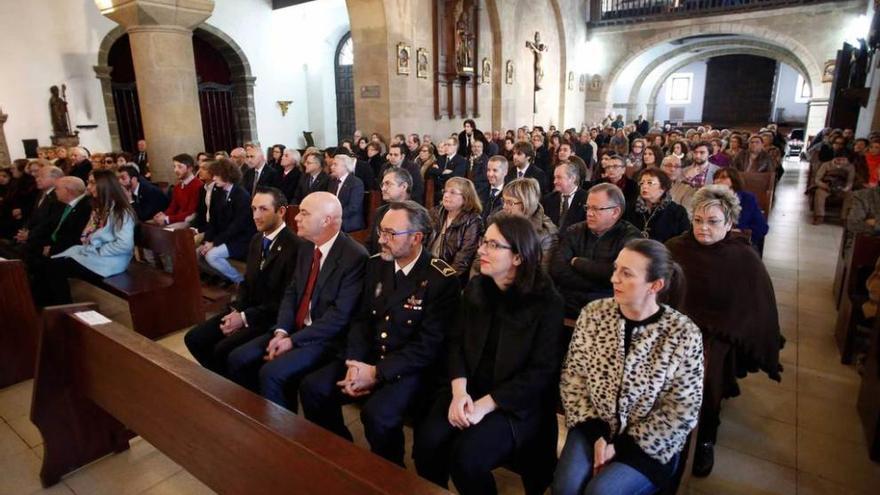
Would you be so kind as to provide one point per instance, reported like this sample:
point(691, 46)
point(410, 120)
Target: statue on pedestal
point(464, 53)
point(61, 134)
point(538, 49)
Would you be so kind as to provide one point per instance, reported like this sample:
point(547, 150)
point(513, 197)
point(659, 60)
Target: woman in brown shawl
point(730, 297)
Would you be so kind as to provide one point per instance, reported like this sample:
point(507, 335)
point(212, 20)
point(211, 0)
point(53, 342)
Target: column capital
point(186, 14)
point(102, 71)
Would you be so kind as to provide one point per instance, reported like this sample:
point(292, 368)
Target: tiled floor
point(801, 436)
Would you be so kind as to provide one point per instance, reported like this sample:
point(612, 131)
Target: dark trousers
point(50, 279)
point(211, 348)
point(272, 379)
point(468, 455)
point(382, 413)
point(715, 383)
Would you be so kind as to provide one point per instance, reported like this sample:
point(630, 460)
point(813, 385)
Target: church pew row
point(763, 186)
point(21, 324)
point(862, 258)
point(98, 385)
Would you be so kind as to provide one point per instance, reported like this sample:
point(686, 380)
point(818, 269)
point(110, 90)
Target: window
point(803, 91)
point(346, 52)
point(679, 88)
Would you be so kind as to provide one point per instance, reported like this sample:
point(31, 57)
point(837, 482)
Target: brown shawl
point(729, 295)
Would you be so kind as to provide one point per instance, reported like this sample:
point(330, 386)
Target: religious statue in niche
point(828, 71)
point(570, 80)
point(464, 37)
point(422, 63)
point(61, 134)
point(403, 56)
point(538, 50)
point(508, 72)
point(487, 71)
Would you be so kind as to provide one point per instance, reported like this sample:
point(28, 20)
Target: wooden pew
point(21, 324)
point(762, 185)
point(430, 192)
point(161, 302)
point(865, 251)
point(290, 217)
point(869, 395)
point(98, 385)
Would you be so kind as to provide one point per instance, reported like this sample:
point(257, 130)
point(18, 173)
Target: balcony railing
point(607, 12)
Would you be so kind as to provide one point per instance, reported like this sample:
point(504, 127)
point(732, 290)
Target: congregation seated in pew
point(184, 195)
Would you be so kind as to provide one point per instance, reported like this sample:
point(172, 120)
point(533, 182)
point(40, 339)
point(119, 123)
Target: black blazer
point(529, 353)
point(401, 329)
point(352, 198)
point(43, 220)
point(534, 172)
point(308, 186)
point(458, 165)
point(335, 296)
point(552, 204)
point(364, 172)
point(82, 170)
point(289, 183)
point(268, 178)
point(70, 231)
point(259, 296)
point(231, 221)
point(149, 200)
point(490, 206)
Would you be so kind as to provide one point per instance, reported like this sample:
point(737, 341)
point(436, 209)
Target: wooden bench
point(21, 324)
point(97, 386)
point(864, 254)
point(161, 302)
point(762, 185)
point(869, 395)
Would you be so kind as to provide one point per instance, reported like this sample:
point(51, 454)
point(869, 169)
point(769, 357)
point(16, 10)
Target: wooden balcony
point(616, 12)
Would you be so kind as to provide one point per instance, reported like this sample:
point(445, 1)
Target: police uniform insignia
point(442, 267)
point(378, 289)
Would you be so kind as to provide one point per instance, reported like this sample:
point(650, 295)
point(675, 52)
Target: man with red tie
point(315, 311)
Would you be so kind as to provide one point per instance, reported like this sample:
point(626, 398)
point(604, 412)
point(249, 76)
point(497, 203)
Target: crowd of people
point(452, 312)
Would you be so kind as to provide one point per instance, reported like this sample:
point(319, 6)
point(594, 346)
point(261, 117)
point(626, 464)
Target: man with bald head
point(315, 311)
point(65, 227)
point(80, 164)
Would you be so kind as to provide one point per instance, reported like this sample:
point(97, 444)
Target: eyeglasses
point(388, 233)
point(511, 202)
point(494, 245)
point(649, 183)
point(711, 222)
point(386, 185)
point(597, 209)
point(108, 160)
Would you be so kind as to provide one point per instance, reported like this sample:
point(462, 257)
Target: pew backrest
point(762, 185)
point(20, 325)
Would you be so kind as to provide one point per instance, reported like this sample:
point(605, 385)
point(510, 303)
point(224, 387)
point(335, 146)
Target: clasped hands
point(279, 344)
point(360, 379)
point(231, 322)
point(464, 412)
point(603, 452)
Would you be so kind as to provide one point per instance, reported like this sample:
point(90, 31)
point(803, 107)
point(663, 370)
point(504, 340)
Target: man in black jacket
point(396, 187)
point(47, 209)
point(146, 199)
point(565, 205)
point(496, 175)
point(524, 166)
point(257, 173)
point(314, 179)
point(65, 230)
point(584, 261)
point(270, 264)
point(315, 311)
point(396, 337)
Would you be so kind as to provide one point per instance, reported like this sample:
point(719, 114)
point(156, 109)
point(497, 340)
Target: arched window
point(345, 120)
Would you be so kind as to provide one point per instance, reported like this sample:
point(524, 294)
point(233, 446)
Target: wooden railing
point(607, 12)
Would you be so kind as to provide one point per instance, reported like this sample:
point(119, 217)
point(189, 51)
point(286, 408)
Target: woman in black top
point(653, 212)
point(504, 358)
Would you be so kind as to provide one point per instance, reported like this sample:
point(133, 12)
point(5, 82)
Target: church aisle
point(800, 436)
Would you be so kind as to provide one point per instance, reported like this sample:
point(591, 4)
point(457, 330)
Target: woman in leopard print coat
point(632, 382)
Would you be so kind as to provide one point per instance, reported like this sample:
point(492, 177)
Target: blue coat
point(108, 251)
point(752, 218)
point(351, 196)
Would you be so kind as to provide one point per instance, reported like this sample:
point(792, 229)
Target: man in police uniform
point(395, 338)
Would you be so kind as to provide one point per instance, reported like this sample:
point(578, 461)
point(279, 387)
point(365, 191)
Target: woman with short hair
point(653, 212)
point(503, 362)
point(750, 216)
point(730, 297)
point(629, 414)
point(523, 197)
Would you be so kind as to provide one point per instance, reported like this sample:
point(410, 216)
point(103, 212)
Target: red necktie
point(306, 301)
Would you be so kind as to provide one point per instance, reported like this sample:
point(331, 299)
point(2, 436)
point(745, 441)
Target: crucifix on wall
point(538, 50)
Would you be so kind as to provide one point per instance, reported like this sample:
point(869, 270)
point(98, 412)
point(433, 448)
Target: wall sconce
point(284, 104)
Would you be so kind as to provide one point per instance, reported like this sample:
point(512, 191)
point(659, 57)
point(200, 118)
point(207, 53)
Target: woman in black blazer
point(504, 361)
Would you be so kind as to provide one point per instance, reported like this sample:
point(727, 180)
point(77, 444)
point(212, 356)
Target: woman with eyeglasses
point(425, 160)
point(457, 225)
point(653, 212)
point(614, 172)
point(635, 158)
point(503, 360)
point(730, 297)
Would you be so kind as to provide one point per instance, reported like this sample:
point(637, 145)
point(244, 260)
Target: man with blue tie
point(315, 311)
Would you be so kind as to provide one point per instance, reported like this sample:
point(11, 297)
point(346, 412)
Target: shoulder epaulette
point(442, 267)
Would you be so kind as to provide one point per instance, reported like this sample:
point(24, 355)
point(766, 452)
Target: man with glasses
point(396, 186)
point(397, 158)
point(614, 172)
point(523, 161)
point(395, 340)
point(584, 260)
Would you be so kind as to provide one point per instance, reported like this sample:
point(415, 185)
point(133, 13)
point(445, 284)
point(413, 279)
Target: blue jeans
point(218, 259)
point(574, 473)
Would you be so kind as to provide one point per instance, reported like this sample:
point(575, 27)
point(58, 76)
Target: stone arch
point(775, 55)
point(243, 80)
point(813, 70)
point(369, 32)
point(497, 62)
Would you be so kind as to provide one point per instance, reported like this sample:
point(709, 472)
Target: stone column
point(161, 49)
point(103, 74)
point(4, 148)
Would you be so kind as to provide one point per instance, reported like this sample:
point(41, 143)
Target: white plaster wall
point(694, 110)
point(786, 90)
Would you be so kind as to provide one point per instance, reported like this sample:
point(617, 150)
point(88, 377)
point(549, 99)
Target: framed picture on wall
point(508, 72)
point(404, 54)
point(422, 63)
point(487, 71)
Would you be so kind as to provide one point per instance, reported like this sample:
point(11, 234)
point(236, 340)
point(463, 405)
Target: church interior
point(433, 246)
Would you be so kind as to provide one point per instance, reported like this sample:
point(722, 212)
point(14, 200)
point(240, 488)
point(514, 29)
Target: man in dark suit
point(271, 262)
point(450, 164)
point(258, 174)
point(395, 338)
point(315, 311)
point(397, 158)
point(523, 158)
point(476, 171)
point(314, 179)
point(141, 159)
point(146, 199)
point(47, 209)
point(496, 174)
point(80, 166)
point(565, 205)
point(350, 190)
